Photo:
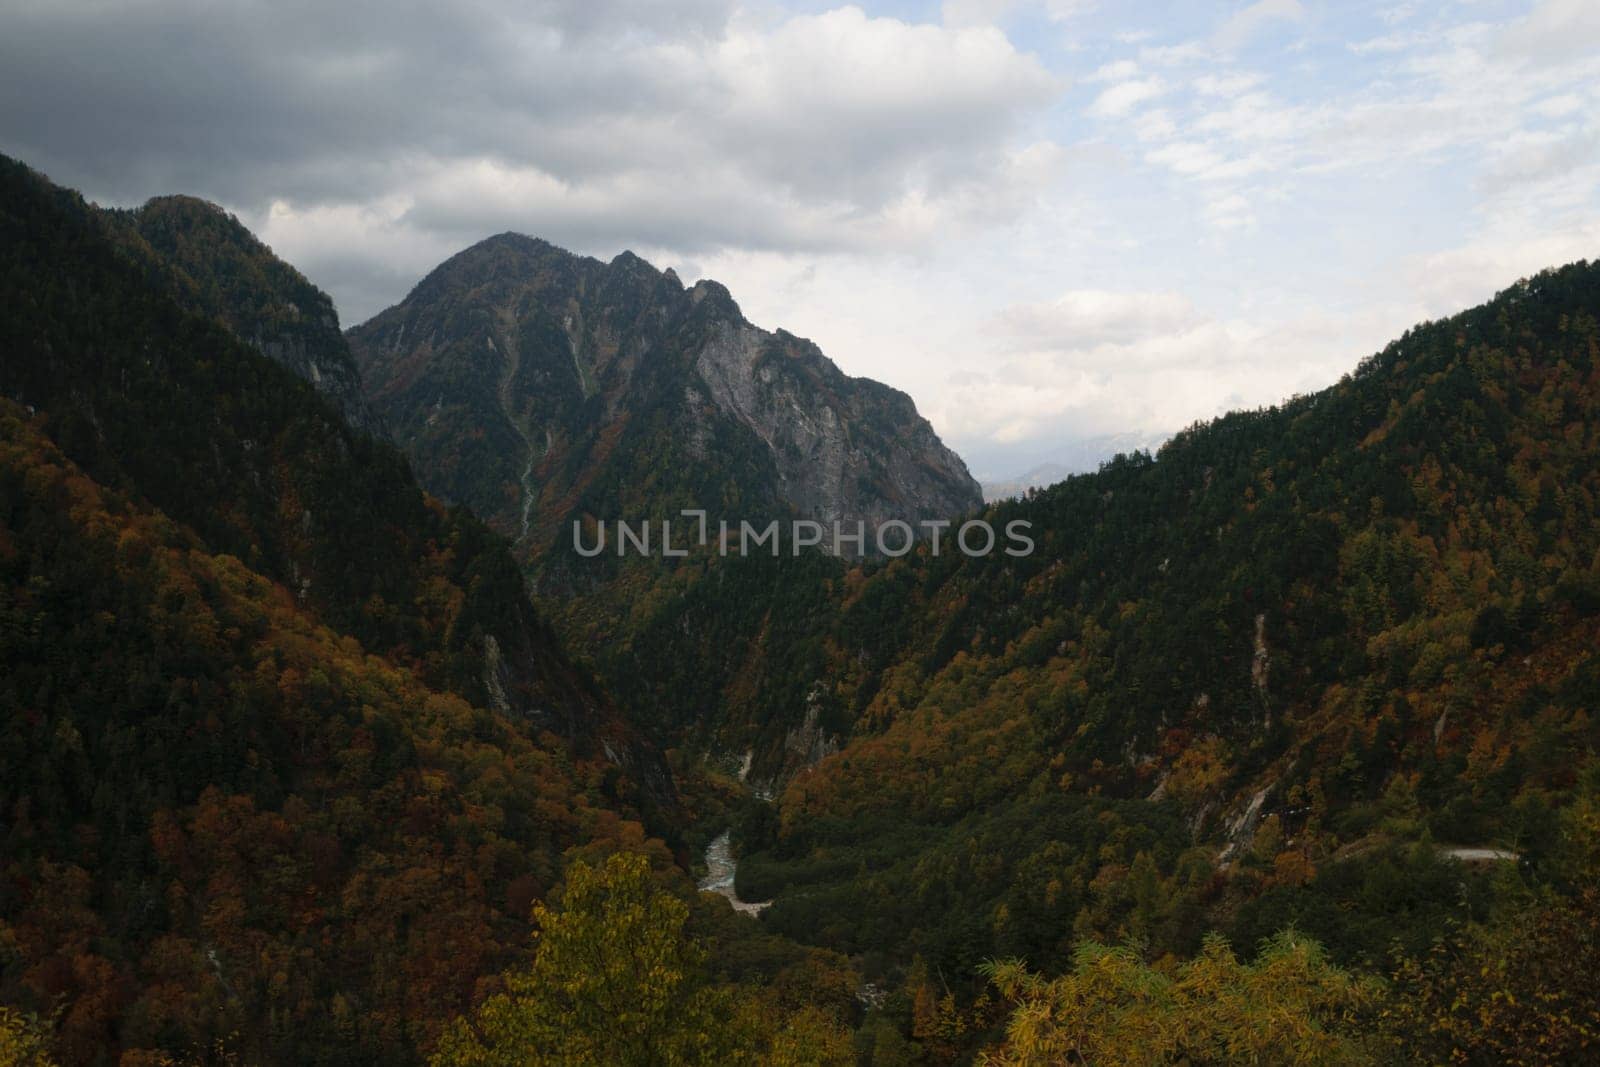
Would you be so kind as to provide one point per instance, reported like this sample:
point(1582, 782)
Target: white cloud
point(1174, 55)
point(1460, 277)
point(990, 12)
point(1387, 43)
point(1123, 97)
point(1558, 106)
point(1230, 84)
point(1231, 212)
point(841, 103)
point(1246, 22)
point(1154, 124)
point(1555, 31)
point(1088, 317)
point(975, 12)
point(1121, 70)
point(1097, 362)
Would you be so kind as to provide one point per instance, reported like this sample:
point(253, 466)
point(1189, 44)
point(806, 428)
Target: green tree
point(616, 979)
point(612, 981)
point(1521, 989)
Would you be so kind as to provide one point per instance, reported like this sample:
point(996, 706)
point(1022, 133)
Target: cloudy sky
point(1047, 220)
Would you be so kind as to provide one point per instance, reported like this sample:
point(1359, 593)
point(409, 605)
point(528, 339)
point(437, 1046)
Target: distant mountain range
point(1081, 457)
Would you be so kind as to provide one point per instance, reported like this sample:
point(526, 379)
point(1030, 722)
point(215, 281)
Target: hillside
point(287, 754)
point(220, 813)
point(218, 269)
point(1328, 666)
point(1237, 681)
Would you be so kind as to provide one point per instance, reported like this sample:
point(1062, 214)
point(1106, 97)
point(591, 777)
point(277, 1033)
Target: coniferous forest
point(1279, 748)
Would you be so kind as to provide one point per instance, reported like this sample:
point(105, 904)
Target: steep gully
point(512, 359)
point(720, 864)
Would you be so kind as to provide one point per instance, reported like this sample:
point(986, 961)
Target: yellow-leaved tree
point(1290, 1006)
point(24, 1040)
point(616, 980)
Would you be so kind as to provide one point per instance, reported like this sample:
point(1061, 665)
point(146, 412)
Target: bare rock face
point(537, 386)
point(849, 449)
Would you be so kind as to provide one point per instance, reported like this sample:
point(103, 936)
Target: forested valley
point(1279, 749)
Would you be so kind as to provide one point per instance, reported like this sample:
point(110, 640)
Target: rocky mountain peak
point(536, 385)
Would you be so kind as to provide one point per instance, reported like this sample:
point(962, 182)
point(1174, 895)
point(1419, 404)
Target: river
point(720, 868)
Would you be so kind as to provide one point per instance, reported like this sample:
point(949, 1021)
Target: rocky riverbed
point(720, 868)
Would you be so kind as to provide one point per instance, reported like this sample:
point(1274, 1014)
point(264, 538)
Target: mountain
point(285, 751)
point(1328, 665)
point(217, 268)
point(536, 386)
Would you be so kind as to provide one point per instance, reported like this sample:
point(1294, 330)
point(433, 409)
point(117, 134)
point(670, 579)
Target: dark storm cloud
point(313, 100)
point(682, 125)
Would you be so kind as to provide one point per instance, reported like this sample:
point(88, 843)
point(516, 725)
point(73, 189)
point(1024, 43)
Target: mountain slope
point(217, 268)
point(286, 751)
point(538, 386)
point(1230, 682)
point(151, 399)
point(226, 823)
